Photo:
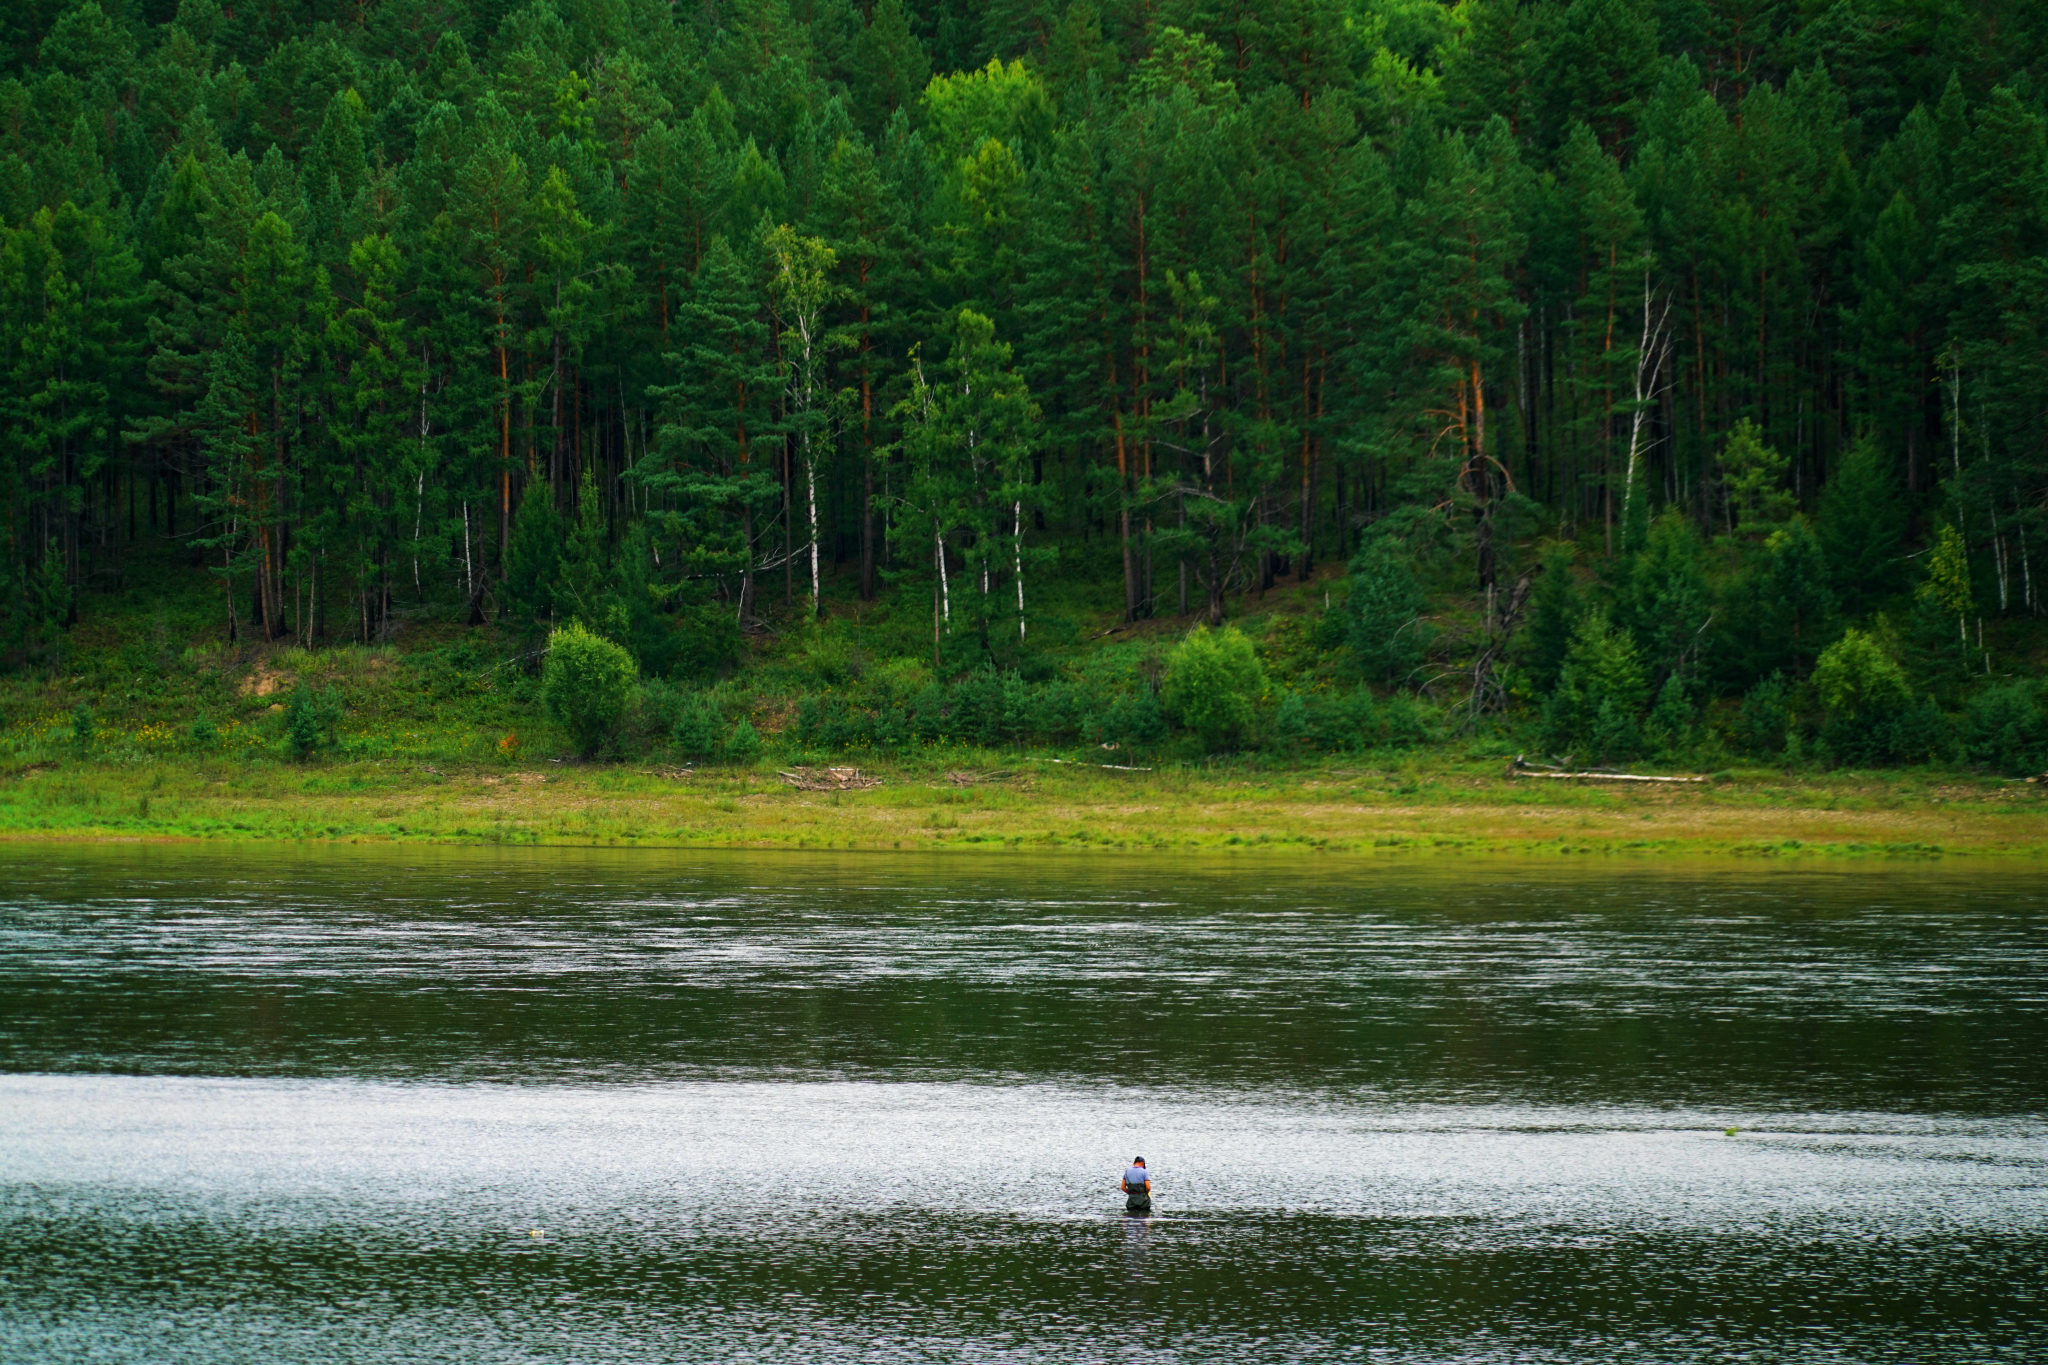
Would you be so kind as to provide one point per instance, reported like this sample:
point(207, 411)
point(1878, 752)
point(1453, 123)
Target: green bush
point(1597, 706)
point(82, 727)
point(1292, 730)
point(1670, 724)
point(698, 731)
point(1404, 721)
point(1912, 731)
point(1346, 722)
point(1764, 717)
point(1554, 612)
point(1134, 721)
point(658, 707)
point(532, 559)
point(976, 709)
point(1872, 715)
point(2006, 728)
point(585, 685)
point(309, 722)
point(743, 745)
point(1212, 681)
point(1385, 606)
point(1854, 676)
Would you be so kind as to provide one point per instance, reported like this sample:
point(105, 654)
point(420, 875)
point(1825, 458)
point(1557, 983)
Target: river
point(396, 1104)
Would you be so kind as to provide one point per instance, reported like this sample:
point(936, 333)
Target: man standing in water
point(1137, 1187)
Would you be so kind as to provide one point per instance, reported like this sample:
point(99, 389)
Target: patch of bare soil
point(263, 682)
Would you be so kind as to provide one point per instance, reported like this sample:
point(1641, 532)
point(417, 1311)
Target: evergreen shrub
point(1385, 606)
point(2006, 727)
point(307, 721)
point(743, 745)
point(697, 731)
point(1133, 720)
point(1596, 708)
point(1764, 717)
point(1292, 731)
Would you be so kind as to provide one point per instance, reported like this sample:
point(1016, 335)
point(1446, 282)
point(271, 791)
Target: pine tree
point(1862, 528)
point(710, 473)
point(865, 230)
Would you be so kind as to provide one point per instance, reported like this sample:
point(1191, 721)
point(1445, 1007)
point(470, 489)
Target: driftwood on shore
point(1521, 767)
point(1111, 767)
point(968, 778)
point(828, 779)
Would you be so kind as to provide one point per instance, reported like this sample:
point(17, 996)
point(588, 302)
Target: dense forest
point(1645, 374)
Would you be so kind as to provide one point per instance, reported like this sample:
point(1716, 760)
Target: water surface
point(564, 1105)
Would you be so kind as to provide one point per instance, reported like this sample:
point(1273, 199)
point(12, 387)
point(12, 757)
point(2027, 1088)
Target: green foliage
point(1754, 475)
point(581, 584)
point(1912, 732)
point(1854, 676)
point(1292, 731)
point(1134, 721)
point(1554, 612)
point(1670, 726)
point(532, 561)
point(2006, 728)
point(1780, 610)
point(35, 599)
point(743, 745)
point(1213, 680)
point(1386, 605)
point(1596, 709)
point(1872, 714)
point(83, 728)
point(309, 721)
point(1764, 718)
point(344, 329)
point(1938, 632)
point(585, 685)
point(699, 731)
point(1862, 529)
point(1666, 602)
point(1947, 584)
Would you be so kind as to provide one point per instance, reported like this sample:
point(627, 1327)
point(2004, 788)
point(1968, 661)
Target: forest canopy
point(1681, 342)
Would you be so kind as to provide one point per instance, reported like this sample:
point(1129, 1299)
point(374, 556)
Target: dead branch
point(965, 778)
point(828, 779)
point(1521, 768)
point(1113, 767)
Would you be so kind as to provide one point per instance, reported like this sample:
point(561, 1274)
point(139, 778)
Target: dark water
point(568, 1106)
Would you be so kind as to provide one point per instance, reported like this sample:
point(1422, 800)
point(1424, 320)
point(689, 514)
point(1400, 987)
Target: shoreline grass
point(1010, 801)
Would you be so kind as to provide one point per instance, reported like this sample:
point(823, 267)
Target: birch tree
point(802, 288)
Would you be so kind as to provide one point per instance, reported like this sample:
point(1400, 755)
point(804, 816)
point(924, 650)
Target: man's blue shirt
point(1137, 1176)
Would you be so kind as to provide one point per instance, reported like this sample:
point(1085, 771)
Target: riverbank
point(1031, 803)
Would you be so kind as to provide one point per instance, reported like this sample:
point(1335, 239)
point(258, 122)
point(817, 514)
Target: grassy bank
point(154, 728)
point(1016, 801)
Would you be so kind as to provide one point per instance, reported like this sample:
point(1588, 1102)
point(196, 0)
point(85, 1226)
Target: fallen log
point(1111, 767)
point(968, 778)
point(828, 779)
point(1603, 777)
point(1520, 766)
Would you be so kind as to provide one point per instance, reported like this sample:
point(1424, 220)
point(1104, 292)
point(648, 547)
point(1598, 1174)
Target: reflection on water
point(309, 1108)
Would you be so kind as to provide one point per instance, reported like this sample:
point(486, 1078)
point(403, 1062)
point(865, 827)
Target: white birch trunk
point(1649, 364)
point(1017, 547)
point(810, 466)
